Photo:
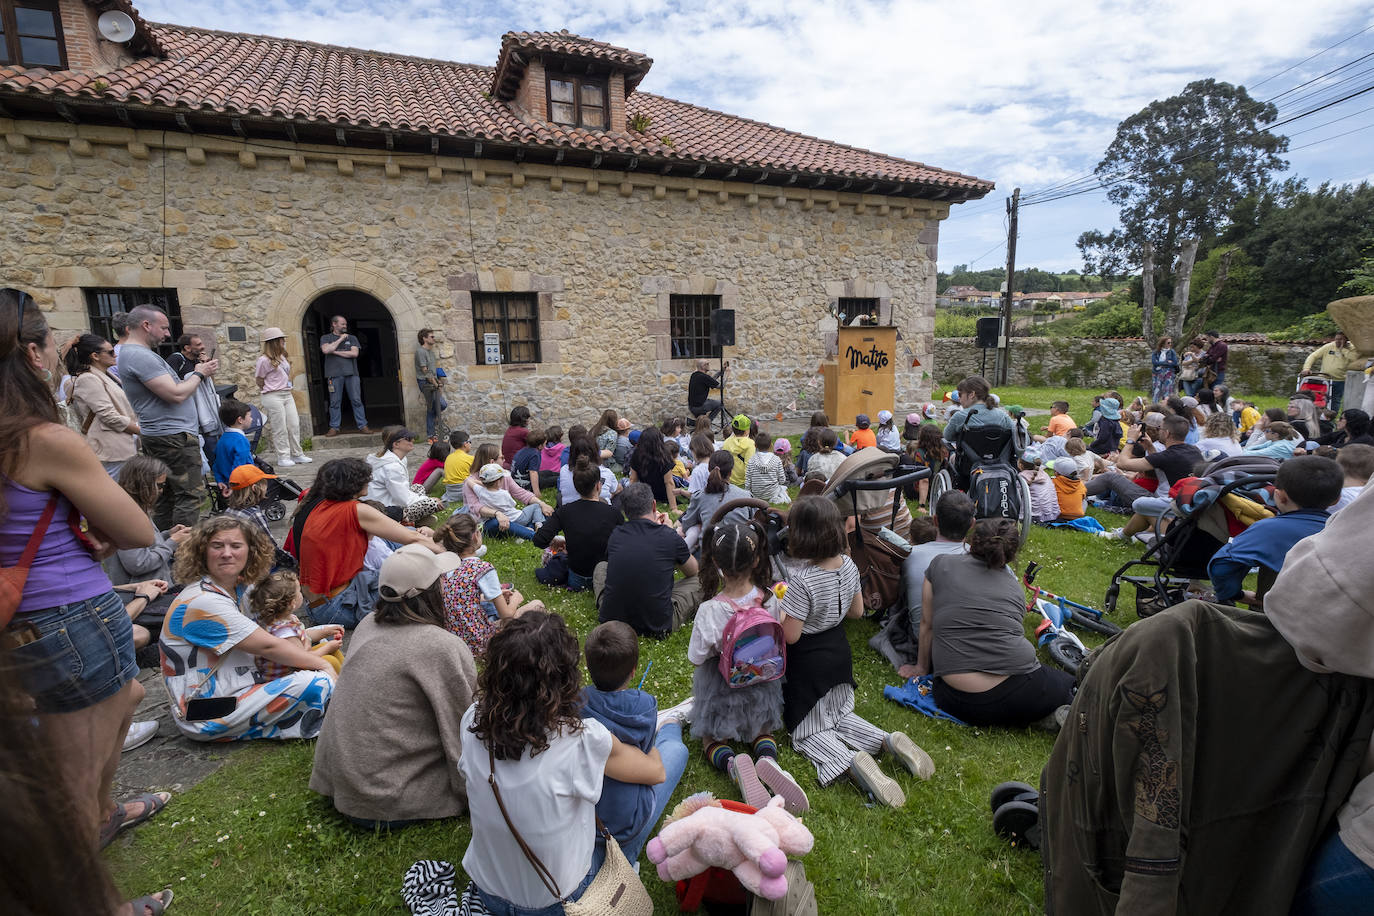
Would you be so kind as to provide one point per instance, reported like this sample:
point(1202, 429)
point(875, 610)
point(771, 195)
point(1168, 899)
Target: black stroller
point(280, 491)
point(1199, 528)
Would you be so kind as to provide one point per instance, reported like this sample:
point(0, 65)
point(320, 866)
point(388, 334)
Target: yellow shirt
point(742, 447)
point(1330, 362)
point(1249, 416)
point(457, 466)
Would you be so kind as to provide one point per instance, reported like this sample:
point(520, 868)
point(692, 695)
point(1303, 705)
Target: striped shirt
point(820, 597)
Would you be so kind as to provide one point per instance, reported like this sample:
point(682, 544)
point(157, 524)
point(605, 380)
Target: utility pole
point(1004, 343)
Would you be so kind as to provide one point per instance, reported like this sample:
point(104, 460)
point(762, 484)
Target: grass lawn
point(254, 839)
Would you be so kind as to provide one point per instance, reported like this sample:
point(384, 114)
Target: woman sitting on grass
point(986, 672)
point(144, 478)
point(388, 752)
point(208, 646)
point(525, 736)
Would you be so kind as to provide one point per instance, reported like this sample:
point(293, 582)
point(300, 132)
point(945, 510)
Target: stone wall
point(253, 233)
point(1255, 369)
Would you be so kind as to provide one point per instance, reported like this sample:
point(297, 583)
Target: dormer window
point(31, 34)
point(577, 101)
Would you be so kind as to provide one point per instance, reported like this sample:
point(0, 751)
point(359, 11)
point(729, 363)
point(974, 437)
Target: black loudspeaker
point(723, 328)
point(987, 332)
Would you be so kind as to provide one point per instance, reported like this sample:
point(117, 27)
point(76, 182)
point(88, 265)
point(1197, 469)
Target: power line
point(1314, 56)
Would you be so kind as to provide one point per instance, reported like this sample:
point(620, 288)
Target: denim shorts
point(84, 654)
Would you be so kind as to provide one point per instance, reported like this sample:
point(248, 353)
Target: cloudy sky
point(1023, 92)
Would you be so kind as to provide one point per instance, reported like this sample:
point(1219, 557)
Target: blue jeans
point(1337, 395)
point(578, 583)
point(434, 405)
point(337, 386)
point(1335, 881)
point(530, 518)
point(674, 754)
point(83, 653)
point(349, 606)
point(498, 906)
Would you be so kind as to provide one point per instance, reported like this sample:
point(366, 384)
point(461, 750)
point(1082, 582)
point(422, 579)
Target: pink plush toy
point(753, 846)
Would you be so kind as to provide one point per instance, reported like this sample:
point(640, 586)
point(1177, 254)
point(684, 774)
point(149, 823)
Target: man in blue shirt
point(1304, 488)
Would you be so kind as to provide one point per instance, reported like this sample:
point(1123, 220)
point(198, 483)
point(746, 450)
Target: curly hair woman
point(986, 672)
point(330, 532)
point(208, 645)
point(548, 763)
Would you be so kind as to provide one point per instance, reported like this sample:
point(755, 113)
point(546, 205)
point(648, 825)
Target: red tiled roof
point(517, 47)
point(238, 75)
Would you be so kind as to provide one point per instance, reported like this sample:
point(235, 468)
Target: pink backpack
point(752, 647)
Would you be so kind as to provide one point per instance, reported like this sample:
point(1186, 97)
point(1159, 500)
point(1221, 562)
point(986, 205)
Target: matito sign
point(874, 359)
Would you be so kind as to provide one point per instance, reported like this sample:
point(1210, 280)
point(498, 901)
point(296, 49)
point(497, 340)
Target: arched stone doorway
point(379, 364)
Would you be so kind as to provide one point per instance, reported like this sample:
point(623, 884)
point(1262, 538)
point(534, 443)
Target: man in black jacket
point(699, 386)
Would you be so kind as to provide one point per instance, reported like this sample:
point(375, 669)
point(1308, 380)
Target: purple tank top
point(63, 572)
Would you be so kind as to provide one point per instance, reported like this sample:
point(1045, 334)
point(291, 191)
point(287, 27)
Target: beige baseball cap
point(412, 569)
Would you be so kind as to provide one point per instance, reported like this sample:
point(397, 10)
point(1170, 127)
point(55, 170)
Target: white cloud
point(1018, 92)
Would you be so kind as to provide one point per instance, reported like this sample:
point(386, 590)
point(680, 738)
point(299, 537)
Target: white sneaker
point(140, 733)
point(302, 459)
point(286, 463)
point(680, 712)
point(1109, 534)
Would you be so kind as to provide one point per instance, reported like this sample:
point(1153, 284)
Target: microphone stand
point(724, 433)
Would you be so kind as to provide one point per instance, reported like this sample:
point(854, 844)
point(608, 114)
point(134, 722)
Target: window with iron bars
point(851, 307)
point(690, 326)
point(512, 316)
point(101, 305)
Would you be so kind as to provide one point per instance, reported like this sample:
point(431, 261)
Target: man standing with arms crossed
point(341, 350)
point(166, 414)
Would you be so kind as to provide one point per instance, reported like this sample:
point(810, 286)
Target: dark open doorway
point(379, 365)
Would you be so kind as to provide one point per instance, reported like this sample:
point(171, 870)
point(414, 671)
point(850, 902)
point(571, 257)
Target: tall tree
point(1176, 169)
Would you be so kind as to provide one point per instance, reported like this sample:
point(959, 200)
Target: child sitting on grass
point(818, 694)
point(1044, 501)
point(736, 571)
point(703, 447)
point(628, 810)
point(524, 467)
point(1068, 489)
point(1304, 488)
point(457, 467)
point(1357, 463)
point(1060, 423)
point(764, 477)
point(551, 456)
point(863, 435)
point(430, 473)
point(274, 602)
point(474, 597)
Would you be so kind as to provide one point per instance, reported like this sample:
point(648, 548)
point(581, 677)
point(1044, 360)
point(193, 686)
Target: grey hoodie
point(1323, 605)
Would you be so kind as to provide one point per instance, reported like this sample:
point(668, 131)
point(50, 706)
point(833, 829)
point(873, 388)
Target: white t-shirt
point(569, 492)
point(713, 615)
point(1348, 495)
point(696, 483)
point(551, 798)
point(498, 499)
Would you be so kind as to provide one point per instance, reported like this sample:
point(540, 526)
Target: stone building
point(246, 182)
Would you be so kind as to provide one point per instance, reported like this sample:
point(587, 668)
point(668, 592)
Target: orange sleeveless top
point(333, 546)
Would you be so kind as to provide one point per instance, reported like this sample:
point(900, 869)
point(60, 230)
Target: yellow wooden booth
point(862, 377)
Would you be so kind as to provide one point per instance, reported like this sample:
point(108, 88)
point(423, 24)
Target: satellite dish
point(116, 26)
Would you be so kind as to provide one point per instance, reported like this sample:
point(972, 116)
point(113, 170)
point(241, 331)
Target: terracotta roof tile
point(237, 75)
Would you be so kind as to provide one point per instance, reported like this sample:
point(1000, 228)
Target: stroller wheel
point(1065, 654)
point(1114, 592)
point(1019, 822)
point(1009, 791)
point(274, 511)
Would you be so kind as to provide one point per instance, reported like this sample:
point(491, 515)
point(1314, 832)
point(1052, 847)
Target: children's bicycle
point(1059, 613)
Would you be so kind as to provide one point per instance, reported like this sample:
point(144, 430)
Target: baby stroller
point(1207, 511)
point(863, 486)
point(983, 464)
point(1319, 387)
point(280, 490)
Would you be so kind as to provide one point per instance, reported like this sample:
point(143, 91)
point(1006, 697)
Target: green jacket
point(1199, 769)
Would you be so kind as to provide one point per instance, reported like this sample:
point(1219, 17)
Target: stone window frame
point(659, 328)
point(853, 288)
point(164, 298)
point(460, 329)
point(200, 313)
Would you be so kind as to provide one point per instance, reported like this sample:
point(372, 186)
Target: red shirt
point(333, 546)
point(512, 442)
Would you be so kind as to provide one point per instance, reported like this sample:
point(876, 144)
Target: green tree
point(1361, 276)
point(1176, 170)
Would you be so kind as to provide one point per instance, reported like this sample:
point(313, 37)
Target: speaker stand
point(724, 424)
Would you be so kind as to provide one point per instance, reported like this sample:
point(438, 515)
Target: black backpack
point(994, 492)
